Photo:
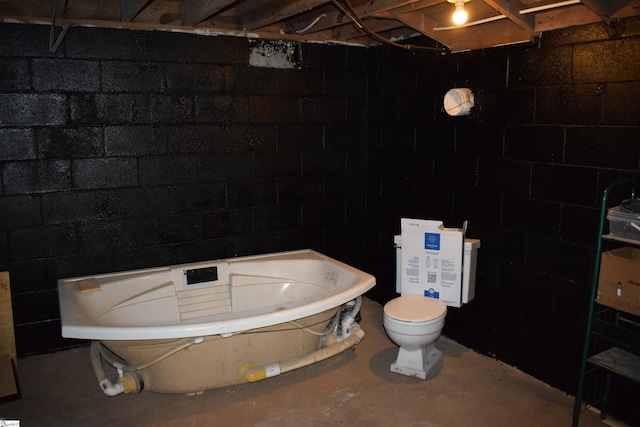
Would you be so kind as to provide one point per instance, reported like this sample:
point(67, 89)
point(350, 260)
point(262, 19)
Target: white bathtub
point(254, 310)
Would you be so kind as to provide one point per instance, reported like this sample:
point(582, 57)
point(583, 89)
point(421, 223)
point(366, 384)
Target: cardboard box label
point(432, 241)
point(432, 257)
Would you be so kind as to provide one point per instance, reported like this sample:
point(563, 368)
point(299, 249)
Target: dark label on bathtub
point(199, 275)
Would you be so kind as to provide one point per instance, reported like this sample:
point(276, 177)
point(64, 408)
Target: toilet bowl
point(414, 323)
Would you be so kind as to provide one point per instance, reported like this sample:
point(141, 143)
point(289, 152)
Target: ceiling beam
point(603, 8)
point(425, 25)
point(606, 8)
point(511, 9)
point(624, 8)
point(349, 32)
point(335, 17)
point(565, 17)
point(496, 33)
point(397, 34)
point(196, 11)
point(252, 17)
point(60, 6)
point(130, 8)
point(372, 7)
point(415, 6)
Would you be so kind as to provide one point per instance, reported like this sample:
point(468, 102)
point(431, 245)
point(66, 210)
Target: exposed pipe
point(314, 22)
point(350, 335)
point(548, 6)
point(470, 24)
point(53, 46)
point(353, 15)
point(346, 13)
point(499, 17)
point(307, 28)
point(129, 380)
point(105, 384)
point(251, 373)
point(118, 363)
point(330, 329)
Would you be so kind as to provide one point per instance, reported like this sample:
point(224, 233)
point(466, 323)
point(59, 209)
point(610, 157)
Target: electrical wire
point(353, 15)
point(308, 27)
point(315, 21)
point(311, 331)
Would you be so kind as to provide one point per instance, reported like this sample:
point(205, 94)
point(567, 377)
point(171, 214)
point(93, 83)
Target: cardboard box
point(432, 260)
point(619, 281)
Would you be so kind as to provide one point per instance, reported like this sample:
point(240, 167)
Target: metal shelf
point(610, 333)
point(621, 239)
point(619, 362)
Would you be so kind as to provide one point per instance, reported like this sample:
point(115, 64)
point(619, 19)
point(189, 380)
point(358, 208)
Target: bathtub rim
point(72, 327)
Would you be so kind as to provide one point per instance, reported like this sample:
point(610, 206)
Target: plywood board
point(8, 385)
point(7, 334)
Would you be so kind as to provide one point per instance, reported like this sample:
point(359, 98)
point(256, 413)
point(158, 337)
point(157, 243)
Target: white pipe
point(251, 373)
point(549, 6)
point(498, 17)
point(126, 383)
point(106, 385)
point(111, 389)
point(470, 24)
point(315, 21)
point(118, 363)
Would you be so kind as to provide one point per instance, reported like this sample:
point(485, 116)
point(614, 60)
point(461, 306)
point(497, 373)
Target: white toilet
point(415, 322)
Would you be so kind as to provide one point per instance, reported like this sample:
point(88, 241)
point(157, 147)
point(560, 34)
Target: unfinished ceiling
point(359, 22)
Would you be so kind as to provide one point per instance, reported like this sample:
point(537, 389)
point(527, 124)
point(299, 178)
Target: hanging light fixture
point(460, 15)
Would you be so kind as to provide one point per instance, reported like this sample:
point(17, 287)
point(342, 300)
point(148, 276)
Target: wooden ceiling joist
point(326, 20)
point(252, 17)
point(130, 8)
point(196, 11)
point(425, 25)
point(511, 9)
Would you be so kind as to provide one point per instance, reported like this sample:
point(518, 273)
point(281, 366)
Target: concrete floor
point(354, 388)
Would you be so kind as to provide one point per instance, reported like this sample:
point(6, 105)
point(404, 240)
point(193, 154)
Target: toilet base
point(417, 363)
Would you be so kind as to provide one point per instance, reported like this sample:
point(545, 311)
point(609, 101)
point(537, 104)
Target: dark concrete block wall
point(554, 123)
point(128, 150)
point(138, 149)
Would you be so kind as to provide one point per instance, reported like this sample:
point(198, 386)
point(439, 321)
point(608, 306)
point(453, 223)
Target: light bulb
point(459, 16)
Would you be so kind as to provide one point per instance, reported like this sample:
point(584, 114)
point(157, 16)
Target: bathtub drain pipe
point(129, 379)
point(107, 387)
point(251, 373)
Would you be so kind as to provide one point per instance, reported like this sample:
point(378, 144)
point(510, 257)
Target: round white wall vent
point(458, 102)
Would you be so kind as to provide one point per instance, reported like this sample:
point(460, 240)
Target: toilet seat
point(415, 309)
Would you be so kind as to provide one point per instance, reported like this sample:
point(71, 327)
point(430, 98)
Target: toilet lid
point(415, 308)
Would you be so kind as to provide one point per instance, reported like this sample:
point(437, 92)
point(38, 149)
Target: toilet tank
point(469, 263)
